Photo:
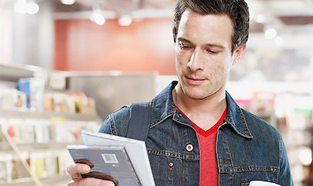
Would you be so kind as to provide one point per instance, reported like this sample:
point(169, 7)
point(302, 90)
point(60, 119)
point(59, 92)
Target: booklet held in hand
point(121, 160)
point(106, 162)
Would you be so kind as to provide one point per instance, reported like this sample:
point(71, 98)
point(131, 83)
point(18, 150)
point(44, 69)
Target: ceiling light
point(32, 8)
point(125, 20)
point(259, 18)
point(23, 6)
point(97, 17)
point(20, 6)
point(68, 2)
point(270, 33)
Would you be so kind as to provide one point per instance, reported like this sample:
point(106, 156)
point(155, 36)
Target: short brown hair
point(237, 10)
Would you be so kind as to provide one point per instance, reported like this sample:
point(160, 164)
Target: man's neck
point(203, 112)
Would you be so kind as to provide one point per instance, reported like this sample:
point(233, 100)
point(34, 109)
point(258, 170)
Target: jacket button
point(171, 164)
point(189, 147)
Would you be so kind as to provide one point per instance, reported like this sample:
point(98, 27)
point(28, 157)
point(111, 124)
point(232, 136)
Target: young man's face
point(203, 53)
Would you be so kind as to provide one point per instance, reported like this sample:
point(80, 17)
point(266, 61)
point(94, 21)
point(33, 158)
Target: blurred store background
point(66, 64)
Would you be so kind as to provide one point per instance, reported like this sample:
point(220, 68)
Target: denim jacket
point(247, 149)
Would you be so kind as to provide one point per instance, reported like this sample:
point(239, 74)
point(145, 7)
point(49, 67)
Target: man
point(198, 135)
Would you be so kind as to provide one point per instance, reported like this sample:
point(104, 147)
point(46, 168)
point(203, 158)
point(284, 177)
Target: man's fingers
point(71, 184)
point(95, 182)
point(76, 170)
point(76, 177)
point(91, 182)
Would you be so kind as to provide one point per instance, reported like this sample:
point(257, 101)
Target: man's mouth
point(194, 80)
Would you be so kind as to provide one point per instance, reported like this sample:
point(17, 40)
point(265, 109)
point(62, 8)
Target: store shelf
point(28, 147)
point(20, 182)
point(56, 180)
point(21, 129)
point(50, 181)
point(47, 115)
point(14, 73)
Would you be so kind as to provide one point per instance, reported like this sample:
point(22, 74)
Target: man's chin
point(196, 95)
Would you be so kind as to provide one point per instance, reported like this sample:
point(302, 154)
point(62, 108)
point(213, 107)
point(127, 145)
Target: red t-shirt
point(207, 142)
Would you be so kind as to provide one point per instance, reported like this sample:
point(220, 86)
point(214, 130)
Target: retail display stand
point(34, 131)
point(39, 162)
point(26, 177)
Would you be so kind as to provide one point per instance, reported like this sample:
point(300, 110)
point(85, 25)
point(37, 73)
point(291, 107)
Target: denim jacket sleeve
point(107, 125)
point(116, 123)
point(284, 177)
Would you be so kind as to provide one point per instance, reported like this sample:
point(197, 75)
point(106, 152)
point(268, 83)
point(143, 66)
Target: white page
point(262, 183)
point(136, 150)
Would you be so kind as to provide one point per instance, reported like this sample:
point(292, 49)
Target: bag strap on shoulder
point(139, 123)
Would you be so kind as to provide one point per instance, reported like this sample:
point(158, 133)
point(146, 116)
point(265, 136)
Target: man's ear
point(238, 52)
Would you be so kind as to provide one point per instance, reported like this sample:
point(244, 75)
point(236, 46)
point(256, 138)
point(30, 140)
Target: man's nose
point(196, 61)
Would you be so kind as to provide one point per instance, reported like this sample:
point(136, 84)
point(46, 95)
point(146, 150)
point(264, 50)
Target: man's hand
point(77, 169)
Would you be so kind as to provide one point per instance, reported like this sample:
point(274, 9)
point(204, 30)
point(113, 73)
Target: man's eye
point(182, 46)
point(213, 51)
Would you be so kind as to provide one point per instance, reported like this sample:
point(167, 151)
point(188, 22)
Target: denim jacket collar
point(163, 107)
point(236, 118)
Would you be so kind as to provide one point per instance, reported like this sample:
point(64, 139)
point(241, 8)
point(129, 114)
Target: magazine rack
point(21, 174)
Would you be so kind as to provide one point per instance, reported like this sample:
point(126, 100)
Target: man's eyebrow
point(209, 44)
point(183, 39)
point(215, 45)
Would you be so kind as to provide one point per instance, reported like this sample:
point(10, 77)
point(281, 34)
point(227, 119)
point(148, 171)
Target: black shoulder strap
point(139, 123)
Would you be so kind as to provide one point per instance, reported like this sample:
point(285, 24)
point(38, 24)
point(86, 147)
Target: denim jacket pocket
point(165, 168)
point(243, 175)
point(267, 173)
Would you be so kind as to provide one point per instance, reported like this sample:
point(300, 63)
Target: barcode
point(109, 158)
